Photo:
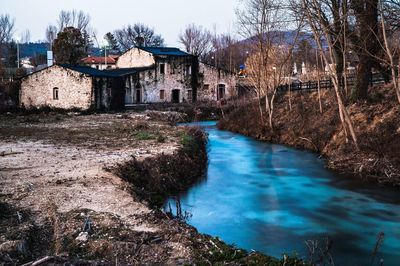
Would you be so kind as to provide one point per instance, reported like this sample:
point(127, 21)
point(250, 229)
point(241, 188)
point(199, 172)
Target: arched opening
point(55, 93)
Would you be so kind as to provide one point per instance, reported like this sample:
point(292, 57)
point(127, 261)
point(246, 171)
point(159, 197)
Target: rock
point(10, 247)
point(82, 237)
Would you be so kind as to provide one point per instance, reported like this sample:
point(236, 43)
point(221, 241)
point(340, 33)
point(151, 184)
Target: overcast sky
point(167, 17)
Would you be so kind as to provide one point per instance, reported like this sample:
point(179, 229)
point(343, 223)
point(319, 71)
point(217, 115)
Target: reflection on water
point(272, 198)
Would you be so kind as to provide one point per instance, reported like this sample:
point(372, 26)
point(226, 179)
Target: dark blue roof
point(171, 51)
point(127, 71)
point(110, 73)
point(88, 70)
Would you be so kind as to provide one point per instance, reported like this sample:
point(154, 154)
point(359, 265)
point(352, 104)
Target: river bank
point(377, 125)
point(72, 192)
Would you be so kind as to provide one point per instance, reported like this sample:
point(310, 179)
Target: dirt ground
point(376, 124)
point(56, 164)
point(61, 202)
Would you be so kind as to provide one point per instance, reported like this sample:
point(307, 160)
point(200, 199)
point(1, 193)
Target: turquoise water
point(272, 199)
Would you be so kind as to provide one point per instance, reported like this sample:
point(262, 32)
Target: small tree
point(112, 43)
point(264, 23)
point(75, 19)
point(6, 28)
point(69, 47)
point(6, 33)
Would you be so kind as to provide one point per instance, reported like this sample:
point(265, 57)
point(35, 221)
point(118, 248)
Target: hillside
point(376, 122)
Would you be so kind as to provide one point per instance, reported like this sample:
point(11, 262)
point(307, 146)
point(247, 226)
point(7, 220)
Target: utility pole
point(17, 40)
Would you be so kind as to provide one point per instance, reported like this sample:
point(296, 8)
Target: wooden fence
point(328, 84)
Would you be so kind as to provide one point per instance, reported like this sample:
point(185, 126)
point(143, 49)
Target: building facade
point(175, 77)
point(71, 87)
point(141, 76)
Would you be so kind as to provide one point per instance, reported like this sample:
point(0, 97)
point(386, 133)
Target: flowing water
point(272, 199)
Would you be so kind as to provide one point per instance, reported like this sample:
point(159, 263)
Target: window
point(162, 69)
point(190, 95)
point(188, 70)
point(55, 93)
point(162, 94)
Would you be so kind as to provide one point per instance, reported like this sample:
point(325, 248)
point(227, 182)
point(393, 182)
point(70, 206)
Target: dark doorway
point(138, 96)
point(221, 91)
point(175, 96)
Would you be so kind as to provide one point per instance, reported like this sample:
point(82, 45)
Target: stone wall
point(212, 76)
point(74, 89)
point(176, 77)
point(135, 58)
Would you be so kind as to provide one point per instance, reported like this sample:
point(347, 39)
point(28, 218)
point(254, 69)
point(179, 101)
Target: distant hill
point(284, 37)
point(40, 48)
point(32, 49)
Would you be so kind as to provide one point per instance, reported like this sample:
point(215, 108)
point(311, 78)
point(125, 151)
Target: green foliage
point(144, 135)
point(161, 138)
point(112, 43)
point(70, 46)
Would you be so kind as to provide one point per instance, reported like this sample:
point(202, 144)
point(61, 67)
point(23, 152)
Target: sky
point(168, 17)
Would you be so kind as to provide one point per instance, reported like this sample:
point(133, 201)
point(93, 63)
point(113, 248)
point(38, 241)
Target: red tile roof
point(99, 60)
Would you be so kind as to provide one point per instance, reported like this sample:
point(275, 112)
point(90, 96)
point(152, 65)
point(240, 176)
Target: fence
point(328, 84)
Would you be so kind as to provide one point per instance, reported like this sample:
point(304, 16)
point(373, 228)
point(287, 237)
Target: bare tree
point(323, 31)
point(51, 34)
point(6, 28)
point(196, 40)
point(74, 18)
point(264, 23)
point(137, 35)
point(25, 36)
point(389, 51)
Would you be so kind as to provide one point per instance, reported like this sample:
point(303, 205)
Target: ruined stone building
point(142, 75)
point(176, 77)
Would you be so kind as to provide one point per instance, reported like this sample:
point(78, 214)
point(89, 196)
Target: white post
point(17, 53)
point(105, 56)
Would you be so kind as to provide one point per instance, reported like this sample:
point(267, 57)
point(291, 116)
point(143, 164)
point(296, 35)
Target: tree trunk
point(363, 77)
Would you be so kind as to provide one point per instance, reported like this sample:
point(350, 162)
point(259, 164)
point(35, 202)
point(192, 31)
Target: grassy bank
point(156, 178)
point(376, 122)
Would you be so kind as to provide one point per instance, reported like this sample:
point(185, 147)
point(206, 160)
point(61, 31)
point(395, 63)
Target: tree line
point(365, 31)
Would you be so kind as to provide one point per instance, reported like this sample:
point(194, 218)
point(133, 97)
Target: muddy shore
point(376, 123)
point(87, 189)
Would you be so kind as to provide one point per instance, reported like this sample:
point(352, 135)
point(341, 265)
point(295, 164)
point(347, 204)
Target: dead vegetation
point(377, 125)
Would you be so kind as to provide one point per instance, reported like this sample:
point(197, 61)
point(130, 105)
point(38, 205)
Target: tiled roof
point(99, 60)
point(171, 51)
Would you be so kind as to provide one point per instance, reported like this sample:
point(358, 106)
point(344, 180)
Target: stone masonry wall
point(135, 58)
point(174, 78)
point(213, 76)
point(74, 89)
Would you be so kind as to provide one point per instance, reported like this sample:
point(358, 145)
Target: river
point(272, 198)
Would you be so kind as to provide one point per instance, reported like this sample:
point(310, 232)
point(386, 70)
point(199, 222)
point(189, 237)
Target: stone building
point(68, 87)
point(176, 77)
point(141, 76)
point(215, 83)
point(169, 80)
